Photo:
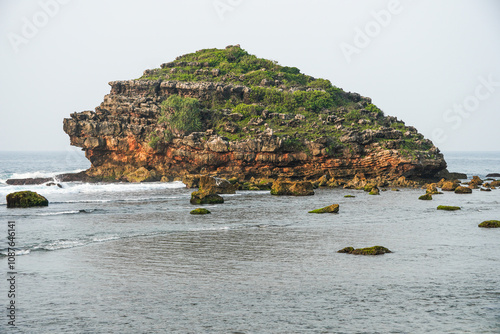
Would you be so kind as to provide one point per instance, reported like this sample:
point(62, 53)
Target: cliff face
point(267, 123)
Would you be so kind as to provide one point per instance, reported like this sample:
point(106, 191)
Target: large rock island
point(225, 112)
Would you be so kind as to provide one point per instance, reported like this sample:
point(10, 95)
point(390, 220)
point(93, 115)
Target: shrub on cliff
point(185, 116)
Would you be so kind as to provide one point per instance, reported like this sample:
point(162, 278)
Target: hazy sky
point(435, 64)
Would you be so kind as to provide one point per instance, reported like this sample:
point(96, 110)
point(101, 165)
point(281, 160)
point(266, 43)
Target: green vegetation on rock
point(349, 196)
point(448, 208)
point(265, 95)
point(375, 250)
point(334, 208)
point(490, 224)
point(426, 197)
point(200, 211)
point(201, 197)
point(25, 199)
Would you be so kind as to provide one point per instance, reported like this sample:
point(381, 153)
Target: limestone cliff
point(254, 118)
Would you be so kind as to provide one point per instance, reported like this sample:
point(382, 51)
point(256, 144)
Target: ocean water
point(129, 258)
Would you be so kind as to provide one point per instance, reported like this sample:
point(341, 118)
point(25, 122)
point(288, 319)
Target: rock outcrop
point(255, 119)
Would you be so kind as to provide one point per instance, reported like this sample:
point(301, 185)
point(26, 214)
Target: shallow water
point(129, 258)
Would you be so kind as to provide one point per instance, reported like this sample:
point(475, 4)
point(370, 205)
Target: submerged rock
point(448, 208)
point(490, 224)
point(287, 188)
point(349, 196)
point(200, 211)
point(25, 199)
point(334, 208)
point(375, 250)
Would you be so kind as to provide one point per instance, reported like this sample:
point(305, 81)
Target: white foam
point(41, 174)
point(59, 213)
point(91, 188)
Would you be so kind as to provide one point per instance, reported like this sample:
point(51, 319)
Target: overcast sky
point(433, 64)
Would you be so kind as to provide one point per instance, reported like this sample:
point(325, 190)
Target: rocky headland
point(226, 113)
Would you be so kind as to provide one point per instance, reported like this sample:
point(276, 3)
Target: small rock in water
point(426, 197)
point(50, 184)
point(334, 208)
point(493, 175)
point(490, 224)
point(375, 250)
point(200, 211)
point(463, 190)
point(25, 199)
point(448, 208)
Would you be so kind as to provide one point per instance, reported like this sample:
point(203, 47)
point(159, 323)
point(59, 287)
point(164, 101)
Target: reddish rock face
point(116, 141)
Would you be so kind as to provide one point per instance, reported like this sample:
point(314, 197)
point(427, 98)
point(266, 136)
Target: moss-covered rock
point(25, 199)
point(375, 250)
point(463, 190)
point(448, 208)
point(334, 208)
point(200, 211)
point(374, 191)
point(287, 188)
point(490, 224)
point(204, 197)
point(347, 250)
point(369, 187)
point(349, 196)
point(426, 197)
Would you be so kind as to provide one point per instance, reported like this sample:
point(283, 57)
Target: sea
point(129, 258)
